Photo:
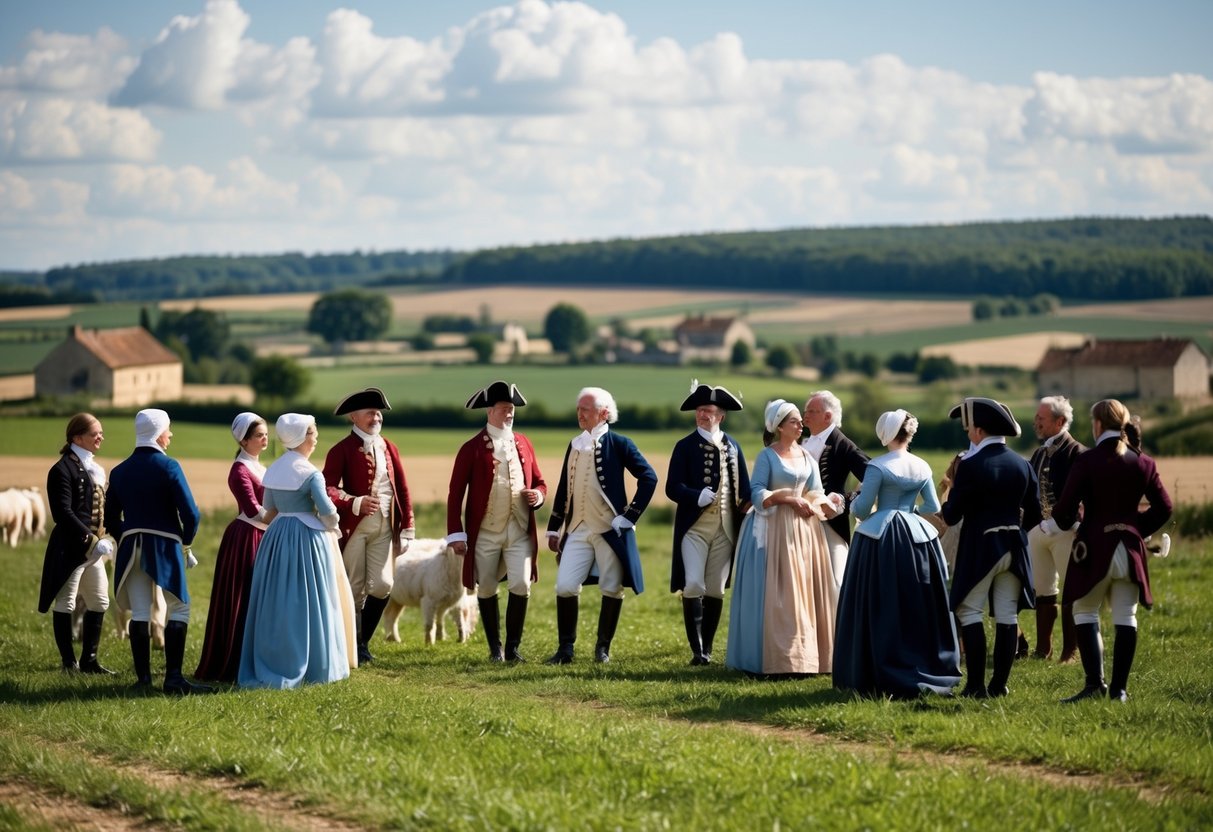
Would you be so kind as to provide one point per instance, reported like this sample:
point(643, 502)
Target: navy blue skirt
point(895, 635)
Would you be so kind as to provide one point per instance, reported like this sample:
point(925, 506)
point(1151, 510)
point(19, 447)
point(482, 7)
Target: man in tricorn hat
point(366, 481)
point(598, 543)
point(496, 470)
point(996, 493)
point(709, 484)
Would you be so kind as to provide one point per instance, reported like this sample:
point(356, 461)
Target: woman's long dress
point(896, 635)
point(220, 659)
point(781, 619)
point(300, 625)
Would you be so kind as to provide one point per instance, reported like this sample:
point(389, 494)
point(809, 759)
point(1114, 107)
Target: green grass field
point(438, 738)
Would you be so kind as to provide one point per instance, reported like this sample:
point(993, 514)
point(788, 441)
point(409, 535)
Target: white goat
point(429, 576)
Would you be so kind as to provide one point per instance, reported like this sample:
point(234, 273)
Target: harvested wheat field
point(1023, 351)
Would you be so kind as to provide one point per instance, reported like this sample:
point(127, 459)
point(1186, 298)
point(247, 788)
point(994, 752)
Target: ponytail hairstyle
point(78, 425)
point(1112, 415)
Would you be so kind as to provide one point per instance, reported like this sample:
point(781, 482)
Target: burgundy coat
point(473, 474)
point(1110, 488)
point(348, 473)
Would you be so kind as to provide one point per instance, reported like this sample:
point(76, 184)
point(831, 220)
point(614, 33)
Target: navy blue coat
point(613, 454)
point(694, 466)
point(148, 490)
point(994, 488)
point(70, 492)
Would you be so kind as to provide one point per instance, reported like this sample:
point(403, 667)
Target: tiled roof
point(701, 324)
point(131, 346)
point(1153, 352)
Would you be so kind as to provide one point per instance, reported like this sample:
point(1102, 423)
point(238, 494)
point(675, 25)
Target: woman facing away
point(781, 619)
point(895, 633)
point(300, 625)
point(237, 551)
point(1108, 562)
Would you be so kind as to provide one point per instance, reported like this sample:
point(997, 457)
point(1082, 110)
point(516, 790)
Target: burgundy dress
point(233, 575)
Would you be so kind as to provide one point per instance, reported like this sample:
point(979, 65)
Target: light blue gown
point(781, 618)
point(296, 630)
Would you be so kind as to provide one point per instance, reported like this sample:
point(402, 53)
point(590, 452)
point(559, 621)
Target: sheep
point(37, 520)
point(429, 576)
point(15, 515)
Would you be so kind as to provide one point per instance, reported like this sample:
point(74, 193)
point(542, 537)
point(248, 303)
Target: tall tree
point(350, 315)
point(566, 326)
point(279, 377)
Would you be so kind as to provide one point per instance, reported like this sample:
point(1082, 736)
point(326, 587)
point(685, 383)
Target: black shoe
point(700, 660)
point(178, 685)
point(94, 667)
point(175, 682)
point(1089, 692)
point(512, 655)
point(1118, 695)
point(563, 655)
point(602, 653)
point(364, 655)
point(1090, 649)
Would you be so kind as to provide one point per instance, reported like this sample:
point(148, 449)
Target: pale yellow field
point(1199, 310)
point(1024, 351)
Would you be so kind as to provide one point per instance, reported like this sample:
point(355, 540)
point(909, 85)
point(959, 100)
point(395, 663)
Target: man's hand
point(370, 505)
point(459, 547)
point(532, 496)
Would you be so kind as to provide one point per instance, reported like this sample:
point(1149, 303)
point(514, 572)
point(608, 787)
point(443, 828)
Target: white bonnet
point(149, 425)
point(292, 429)
point(776, 412)
point(242, 422)
point(889, 425)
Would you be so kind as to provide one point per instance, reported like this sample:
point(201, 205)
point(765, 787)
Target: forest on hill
point(1074, 259)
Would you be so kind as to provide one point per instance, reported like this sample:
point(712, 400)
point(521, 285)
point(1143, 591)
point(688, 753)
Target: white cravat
point(90, 464)
point(370, 441)
point(585, 440)
point(816, 443)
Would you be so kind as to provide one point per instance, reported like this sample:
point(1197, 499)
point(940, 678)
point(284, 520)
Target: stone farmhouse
point(1156, 368)
point(124, 367)
point(700, 338)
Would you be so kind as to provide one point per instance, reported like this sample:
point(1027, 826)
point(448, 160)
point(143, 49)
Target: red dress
point(233, 578)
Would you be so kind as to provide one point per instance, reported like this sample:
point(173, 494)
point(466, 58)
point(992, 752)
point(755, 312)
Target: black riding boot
point(1123, 651)
point(692, 619)
point(61, 623)
point(141, 654)
point(566, 628)
point(608, 620)
point(372, 611)
point(515, 619)
point(490, 616)
point(1090, 648)
point(90, 639)
point(973, 636)
point(712, 607)
point(1006, 643)
point(174, 654)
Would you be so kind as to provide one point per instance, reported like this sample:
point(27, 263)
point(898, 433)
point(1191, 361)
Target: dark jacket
point(839, 459)
point(694, 466)
point(996, 493)
point(1052, 465)
point(1110, 487)
point(70, 491)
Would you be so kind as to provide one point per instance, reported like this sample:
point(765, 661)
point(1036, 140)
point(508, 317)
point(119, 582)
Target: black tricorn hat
point(370, 398)
point(702, 394)
point(994, 417)
point(495, 393)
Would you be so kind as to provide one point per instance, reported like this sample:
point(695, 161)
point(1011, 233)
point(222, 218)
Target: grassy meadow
point(438, 738)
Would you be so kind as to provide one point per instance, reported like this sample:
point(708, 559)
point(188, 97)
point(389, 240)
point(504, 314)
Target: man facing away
point(365, 480)
point(496, 488)
point(591, 527)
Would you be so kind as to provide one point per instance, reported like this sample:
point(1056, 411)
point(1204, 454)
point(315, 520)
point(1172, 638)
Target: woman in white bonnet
point(895, 635)
point(300, 625)
point(781, 620)
point(237, 551)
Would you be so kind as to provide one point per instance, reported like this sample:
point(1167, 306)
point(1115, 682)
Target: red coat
point(1110, 488)
point(348, 473)
point(473, 474)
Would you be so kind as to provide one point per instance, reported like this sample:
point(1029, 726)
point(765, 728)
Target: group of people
point(304, 571)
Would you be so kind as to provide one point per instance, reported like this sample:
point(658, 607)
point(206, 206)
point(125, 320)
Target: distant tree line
point(193, 277)
point(985, 308)
point(1085, 258)
point(1109, 259)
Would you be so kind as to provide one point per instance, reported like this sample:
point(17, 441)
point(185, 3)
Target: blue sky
point(143, 129)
